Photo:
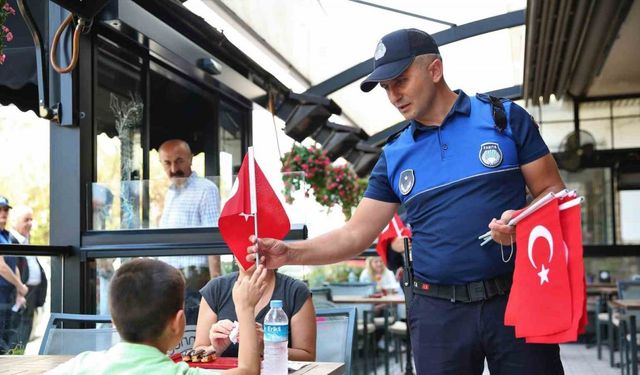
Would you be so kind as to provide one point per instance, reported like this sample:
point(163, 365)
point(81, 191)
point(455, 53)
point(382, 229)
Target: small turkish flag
point(541, 303)
point(570, 220)
point(252, 201)
point(393, 230)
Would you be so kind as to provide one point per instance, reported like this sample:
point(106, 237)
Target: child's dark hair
point(143, 296)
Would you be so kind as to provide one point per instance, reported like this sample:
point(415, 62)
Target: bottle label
point(276, 333)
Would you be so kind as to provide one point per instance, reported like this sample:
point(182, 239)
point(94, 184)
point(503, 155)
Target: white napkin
point(233, 335)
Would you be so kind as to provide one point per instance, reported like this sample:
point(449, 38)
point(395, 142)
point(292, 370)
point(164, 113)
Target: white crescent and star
point(544, 275)
point(540, 231)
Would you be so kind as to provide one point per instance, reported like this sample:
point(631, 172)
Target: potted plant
point(6, 35)
point(331, 184)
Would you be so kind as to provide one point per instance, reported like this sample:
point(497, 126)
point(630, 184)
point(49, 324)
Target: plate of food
point(205, 359)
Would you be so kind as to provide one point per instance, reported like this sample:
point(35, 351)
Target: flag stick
point(396, 227)
point(252, 198)
point(571, 203)
point(528, 211)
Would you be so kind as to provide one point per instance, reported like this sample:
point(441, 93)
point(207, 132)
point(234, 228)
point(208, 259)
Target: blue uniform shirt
point(453, 179)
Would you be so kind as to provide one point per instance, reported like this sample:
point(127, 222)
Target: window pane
point(595, 185)
point(118, 111)
point(231, 121)
point(595, 110)
point(557, 111)
point(598, 131)
point(629, 216)
point(171, 203)
point(619, 268)
point(181, 109)
point(554, 133)
point(625, 132)
point(626, 107)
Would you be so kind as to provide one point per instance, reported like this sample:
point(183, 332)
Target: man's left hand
point(501, 231)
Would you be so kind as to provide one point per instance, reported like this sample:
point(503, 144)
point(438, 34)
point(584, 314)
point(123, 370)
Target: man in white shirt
point(191, 201)
point(31, 273)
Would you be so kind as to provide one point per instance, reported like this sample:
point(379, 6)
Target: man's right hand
point(22, 290)
point(273, 253)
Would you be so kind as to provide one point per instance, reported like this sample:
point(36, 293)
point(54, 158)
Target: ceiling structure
point(582, 49)
point(325, 47)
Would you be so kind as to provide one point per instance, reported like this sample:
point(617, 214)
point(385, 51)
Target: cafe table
point(389, 299)
point(38, 364)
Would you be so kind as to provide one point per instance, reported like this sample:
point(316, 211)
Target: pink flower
point(9, 36)
point(9, 9)
point(5, 29)
point(2, 58)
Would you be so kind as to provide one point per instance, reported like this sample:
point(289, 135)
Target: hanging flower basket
point(330, 184)
point(6, 35)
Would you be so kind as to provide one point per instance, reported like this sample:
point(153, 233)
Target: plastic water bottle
point(352, 277)
point(276, 340)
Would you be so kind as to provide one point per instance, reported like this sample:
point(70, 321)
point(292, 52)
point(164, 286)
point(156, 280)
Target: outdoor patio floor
point(576, 359)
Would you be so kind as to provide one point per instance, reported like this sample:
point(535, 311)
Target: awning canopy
point(18, 77)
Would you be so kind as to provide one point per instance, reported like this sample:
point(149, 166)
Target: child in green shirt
point(146, 300)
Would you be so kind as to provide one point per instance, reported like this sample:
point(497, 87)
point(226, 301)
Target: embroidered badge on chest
point(490, 154)
point(407, 180)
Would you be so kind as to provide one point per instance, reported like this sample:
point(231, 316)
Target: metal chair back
point(335, 331)
point(61, 340)
point(629, 289)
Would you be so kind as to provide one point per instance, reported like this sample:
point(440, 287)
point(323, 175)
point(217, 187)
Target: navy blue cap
point(395, 52)
point(4, 202)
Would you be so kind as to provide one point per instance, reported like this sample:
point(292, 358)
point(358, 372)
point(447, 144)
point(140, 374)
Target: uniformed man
point(462, 162)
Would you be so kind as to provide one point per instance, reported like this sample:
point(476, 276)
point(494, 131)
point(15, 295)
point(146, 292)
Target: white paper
point(233, 335)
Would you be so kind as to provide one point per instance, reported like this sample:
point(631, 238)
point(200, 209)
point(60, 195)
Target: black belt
point(471, 292)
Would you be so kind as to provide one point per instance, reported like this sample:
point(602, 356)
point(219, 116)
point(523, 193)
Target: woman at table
point(217, 314)
point(375, 272)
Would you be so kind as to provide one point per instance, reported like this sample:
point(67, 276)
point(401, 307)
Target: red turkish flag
point(541, 304)
point(237, 219)
point(570, 221)
point(393, 230)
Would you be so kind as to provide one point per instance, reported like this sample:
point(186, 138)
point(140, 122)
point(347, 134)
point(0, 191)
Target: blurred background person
point(101, 202)
point(31, 273)
point(10, 284)
point(376, 272)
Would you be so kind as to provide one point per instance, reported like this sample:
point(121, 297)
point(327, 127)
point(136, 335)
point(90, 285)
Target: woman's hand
point(219, 335)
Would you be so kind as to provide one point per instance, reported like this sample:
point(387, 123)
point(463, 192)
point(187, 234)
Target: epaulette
point(395, 135)
point(498, 113)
